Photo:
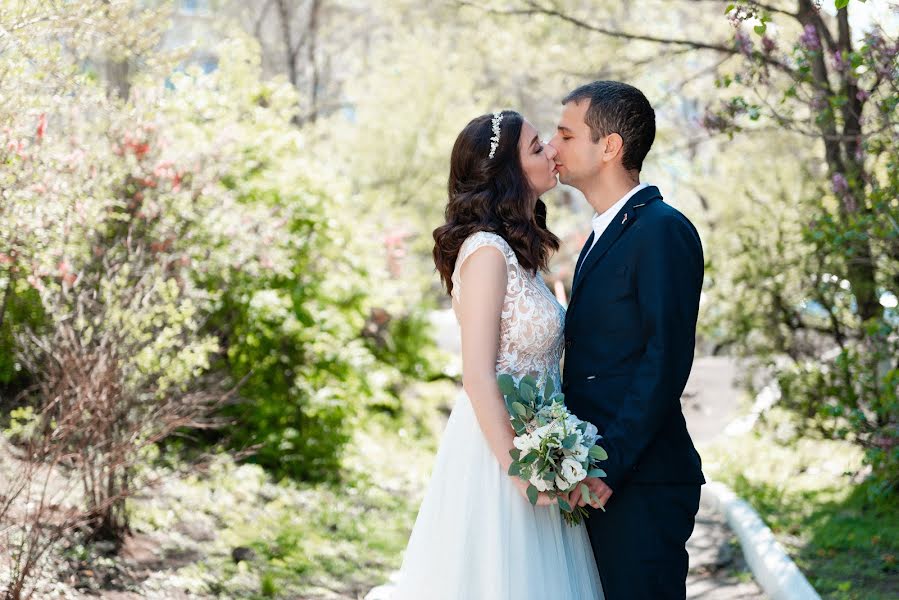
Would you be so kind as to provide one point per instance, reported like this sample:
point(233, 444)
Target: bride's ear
point(614, 146)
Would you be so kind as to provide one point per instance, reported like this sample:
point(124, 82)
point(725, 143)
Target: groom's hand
point(598, 488)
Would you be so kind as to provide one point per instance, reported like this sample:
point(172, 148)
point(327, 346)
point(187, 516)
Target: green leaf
point(729, 8)
point(841, 4)
point(760, 29)
point(515, 453)
point(509, 402)
point(549, 476)
point(528, 380)
point(596, 473)
point(569, 442)
point(527, 393)
point(585, 491)
point(519, 408)
point(532, 494)
point(506, 384)
point(564, 505)
point(515, 469)
point(529, 458)
point(549, 389)
point(599, 453)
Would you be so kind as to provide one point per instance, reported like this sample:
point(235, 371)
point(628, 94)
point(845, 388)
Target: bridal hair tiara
point(494, 124)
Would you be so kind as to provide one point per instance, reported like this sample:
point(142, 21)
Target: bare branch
point(536, 9)
point(290, 48)
point(257, 27)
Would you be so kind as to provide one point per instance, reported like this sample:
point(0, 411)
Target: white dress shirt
point(601, 221)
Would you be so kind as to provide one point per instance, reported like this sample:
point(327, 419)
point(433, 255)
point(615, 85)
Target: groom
point(629, 338)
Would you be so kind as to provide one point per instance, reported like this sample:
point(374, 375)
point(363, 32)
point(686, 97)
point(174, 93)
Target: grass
point(313, 542)
point(844, 538)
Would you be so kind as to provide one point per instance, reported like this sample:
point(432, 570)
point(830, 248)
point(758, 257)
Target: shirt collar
point(602, 220)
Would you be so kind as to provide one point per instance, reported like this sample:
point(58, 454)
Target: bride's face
point(537, 160)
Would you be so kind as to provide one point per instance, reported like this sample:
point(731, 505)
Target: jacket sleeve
point(668, 279)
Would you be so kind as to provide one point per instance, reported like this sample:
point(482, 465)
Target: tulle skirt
point(476, 537)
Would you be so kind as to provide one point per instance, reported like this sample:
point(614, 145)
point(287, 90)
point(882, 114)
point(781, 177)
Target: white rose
point(580, 452)
point(524, 443)
point(538, 482)
point(561, 484)
point(573, 471)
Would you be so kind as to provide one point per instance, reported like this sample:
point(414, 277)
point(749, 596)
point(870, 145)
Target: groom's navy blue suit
point(629, 338)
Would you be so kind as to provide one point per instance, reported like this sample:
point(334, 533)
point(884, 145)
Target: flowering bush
point(809, 282)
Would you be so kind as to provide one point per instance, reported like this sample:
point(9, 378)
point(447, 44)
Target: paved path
point(711, 401)
point(717, 569)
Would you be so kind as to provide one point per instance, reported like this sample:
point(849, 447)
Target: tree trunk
point(314, 11)
point(841, 155)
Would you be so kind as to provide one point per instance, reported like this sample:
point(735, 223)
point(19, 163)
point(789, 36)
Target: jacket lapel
point(580, 259)
point(624, 219)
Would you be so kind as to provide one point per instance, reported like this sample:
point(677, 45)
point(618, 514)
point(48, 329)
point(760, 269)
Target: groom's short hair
point(620, 108)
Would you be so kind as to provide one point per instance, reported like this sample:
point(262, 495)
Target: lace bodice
point(532, 321)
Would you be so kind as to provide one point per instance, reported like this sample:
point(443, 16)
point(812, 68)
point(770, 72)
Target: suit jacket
point(630, 332)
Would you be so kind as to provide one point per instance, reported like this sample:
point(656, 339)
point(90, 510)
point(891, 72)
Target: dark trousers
point(639, 542)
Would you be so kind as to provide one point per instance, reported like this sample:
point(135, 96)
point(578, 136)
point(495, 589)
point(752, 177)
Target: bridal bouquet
point(554, 450)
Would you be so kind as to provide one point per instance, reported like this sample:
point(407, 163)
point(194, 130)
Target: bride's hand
point(543, 499)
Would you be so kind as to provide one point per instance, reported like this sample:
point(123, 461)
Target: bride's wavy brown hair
point(491, 194)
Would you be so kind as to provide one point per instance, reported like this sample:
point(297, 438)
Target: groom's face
point(578, 158)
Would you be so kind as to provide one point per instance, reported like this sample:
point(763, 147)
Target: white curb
point(772, 568)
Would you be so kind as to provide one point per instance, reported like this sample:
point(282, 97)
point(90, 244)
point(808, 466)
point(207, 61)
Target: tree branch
point(257, 27)
point(535, 9)
point(771, 9)
point(289, 48)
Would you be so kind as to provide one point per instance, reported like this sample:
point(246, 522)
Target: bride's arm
point(483, 279)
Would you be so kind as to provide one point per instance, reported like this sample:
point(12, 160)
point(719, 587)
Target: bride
point(477, 536)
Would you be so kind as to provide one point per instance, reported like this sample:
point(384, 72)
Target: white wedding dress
point(476, 537)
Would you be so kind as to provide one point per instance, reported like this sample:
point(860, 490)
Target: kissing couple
point(628, 338)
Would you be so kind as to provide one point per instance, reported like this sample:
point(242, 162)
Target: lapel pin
point(624, 220)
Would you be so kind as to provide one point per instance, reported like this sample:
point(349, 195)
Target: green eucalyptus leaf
point(506, 383)
point(527, 393)
point(509, 402)
point(529, 458)
point(532, 494)
point(598, 453)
